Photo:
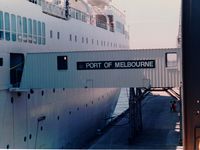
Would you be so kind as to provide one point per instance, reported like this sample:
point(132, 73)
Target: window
point(30, 30)
point(39, 2)
point(62, 62)
point(82, 39)
point(24, 29)
point(34, 31)
point(1, 26)
point(78, 15)
point(75, 38)
point(43, 34)
point(58, 35)
point(92, 41)
point(72, 13)
point(119, 27)
point(51, 34)
point(7, 26)
point(87, 40)
point(1, 61)
point(39, 32)
point(14, 28)
point(97, 42)
point(70, 37)
point(171, 60)
point(19, 29)
point(83, 18)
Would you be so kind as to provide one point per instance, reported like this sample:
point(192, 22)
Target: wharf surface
point(161, 127)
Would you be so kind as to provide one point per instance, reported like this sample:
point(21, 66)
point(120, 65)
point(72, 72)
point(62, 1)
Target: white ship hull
point(50, 118)
point(67, 118)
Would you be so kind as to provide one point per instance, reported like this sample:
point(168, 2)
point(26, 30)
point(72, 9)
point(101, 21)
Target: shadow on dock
point(161, 127)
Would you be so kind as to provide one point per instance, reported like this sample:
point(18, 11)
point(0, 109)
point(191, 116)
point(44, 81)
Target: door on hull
point(16, 68)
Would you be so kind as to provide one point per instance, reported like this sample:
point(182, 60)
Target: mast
point(179, 37)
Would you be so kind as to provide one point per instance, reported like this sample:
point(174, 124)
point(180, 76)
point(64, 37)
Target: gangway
point(99, 69)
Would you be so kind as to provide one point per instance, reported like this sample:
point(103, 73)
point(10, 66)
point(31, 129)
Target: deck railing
point(70, 12)
point(54, 10)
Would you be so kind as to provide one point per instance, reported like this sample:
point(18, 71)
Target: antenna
point(179, 37)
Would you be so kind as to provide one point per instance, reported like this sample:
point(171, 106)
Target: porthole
point(25, 139)
point(70, 37)
point(12, 100)
point(51, 34)
point(42, 93)
point(31, 91)
point(86, 40)
point(82, 39)
point(29, 96)
point(1, 61)
point(75, 38)
point(8, 146)
point(58, 35)
point(19, 94)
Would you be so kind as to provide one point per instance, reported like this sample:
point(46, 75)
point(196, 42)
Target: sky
point(152, 23)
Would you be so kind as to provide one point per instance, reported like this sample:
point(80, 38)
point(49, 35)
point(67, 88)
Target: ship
point(57, 117)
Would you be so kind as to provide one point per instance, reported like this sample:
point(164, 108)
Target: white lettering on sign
point(126, 64)
point(107, 64)
point(93, 65)
point(134, 64)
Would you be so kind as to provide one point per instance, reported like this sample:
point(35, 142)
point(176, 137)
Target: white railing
point(79, 15)
point(54, 10)
point(60, 12)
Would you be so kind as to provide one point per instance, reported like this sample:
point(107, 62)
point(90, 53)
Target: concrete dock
point(161, 128)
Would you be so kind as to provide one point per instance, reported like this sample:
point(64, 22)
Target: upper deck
point(109, 18)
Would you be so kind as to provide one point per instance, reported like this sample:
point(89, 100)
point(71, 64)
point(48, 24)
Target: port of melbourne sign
point(126, 64)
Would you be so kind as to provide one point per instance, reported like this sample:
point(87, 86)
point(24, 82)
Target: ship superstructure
point(54, 118)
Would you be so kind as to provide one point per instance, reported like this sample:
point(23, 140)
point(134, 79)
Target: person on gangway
point(173, 106)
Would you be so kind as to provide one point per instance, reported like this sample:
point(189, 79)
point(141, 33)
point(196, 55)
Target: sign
point(126, 64)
